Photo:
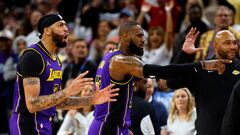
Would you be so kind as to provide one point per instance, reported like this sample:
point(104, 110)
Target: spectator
point(182, 112)
point(143, 116)
point(159, 108)
point(5, 53)
point(109, 46)
point(223, 21)
point(80, 63)
point(194, 14)
point(32, 36)
point(96, 47)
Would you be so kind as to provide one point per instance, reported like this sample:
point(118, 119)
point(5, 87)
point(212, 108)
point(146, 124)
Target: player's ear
point(126, 37)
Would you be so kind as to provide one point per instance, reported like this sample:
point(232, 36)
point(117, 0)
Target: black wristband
point(166, 72)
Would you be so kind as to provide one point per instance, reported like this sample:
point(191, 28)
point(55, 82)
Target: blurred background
point(93, 27)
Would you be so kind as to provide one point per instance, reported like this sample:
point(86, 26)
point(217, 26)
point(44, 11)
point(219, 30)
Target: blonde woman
point(182, 114)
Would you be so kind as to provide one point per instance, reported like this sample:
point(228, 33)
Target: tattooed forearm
point(43, 102)
point(75, 102)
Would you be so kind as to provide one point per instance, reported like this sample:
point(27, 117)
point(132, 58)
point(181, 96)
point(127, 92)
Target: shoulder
point(31, 55)
point(32, 52)
point(194, 114)
point(123, 59)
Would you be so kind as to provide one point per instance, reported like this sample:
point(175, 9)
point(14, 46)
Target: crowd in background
point(93, 26)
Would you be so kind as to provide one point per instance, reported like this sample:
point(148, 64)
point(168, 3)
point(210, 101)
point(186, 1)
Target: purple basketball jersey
point(114, 113)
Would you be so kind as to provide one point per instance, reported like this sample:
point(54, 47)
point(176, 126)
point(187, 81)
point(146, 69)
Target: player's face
point(227, 47)
point(60, 33)
point(137, 41)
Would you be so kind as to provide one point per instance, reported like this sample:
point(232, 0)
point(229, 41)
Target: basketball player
point(37, 91)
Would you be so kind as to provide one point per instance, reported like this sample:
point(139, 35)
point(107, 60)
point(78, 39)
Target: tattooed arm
point(75, 102)
point(125, 66)
point(35, 102)
point(98, 97)
point(121, 66)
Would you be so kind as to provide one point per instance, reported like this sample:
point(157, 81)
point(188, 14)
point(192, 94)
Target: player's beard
point(226, 55)
point(135, 49)
point(58, 39)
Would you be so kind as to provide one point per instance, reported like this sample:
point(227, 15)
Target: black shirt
point(231, 121)
point(30, 63)
point(140, 110)
point(211, 91)
point(73, 70)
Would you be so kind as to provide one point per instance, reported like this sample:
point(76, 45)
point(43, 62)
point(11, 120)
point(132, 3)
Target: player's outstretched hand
point(78, 84)
point(105, 95)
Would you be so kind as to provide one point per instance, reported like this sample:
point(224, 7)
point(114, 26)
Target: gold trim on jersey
point(99, 133)
point(18, 100)
point(35, 119)
point(18, 124)
point(126, 107)
point(54, 59)
point(19, 74)
point(120, 83)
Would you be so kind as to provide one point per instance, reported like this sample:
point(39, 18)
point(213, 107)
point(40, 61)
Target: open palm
point(104, 95)
point(188, 45)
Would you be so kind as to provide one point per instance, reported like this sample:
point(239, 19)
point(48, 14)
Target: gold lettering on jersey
point(54, 74)
point(101, 64)
point(55, 88)
point(98, 80)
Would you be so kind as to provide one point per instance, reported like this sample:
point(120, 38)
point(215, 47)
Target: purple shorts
point(103, 128)
point(21, 124)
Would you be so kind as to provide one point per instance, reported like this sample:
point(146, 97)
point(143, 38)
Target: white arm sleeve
point(147, 126)
point(66, 125)
point(9, 70)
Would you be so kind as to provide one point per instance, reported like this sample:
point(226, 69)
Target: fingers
point(109, 87)
point(85, 80)
point(113, 100)
point(198, 49)
point(220, 67)
point(114, 90)
point(82, 75)
point(196, 35)
point(225, 61)
point(113, 94)
point(193, 31)
point(96, 87)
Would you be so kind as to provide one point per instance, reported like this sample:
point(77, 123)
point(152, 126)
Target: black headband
point(47, 21)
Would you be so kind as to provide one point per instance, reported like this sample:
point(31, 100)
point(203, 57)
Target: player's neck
point(50, 46)
point(125, 49)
